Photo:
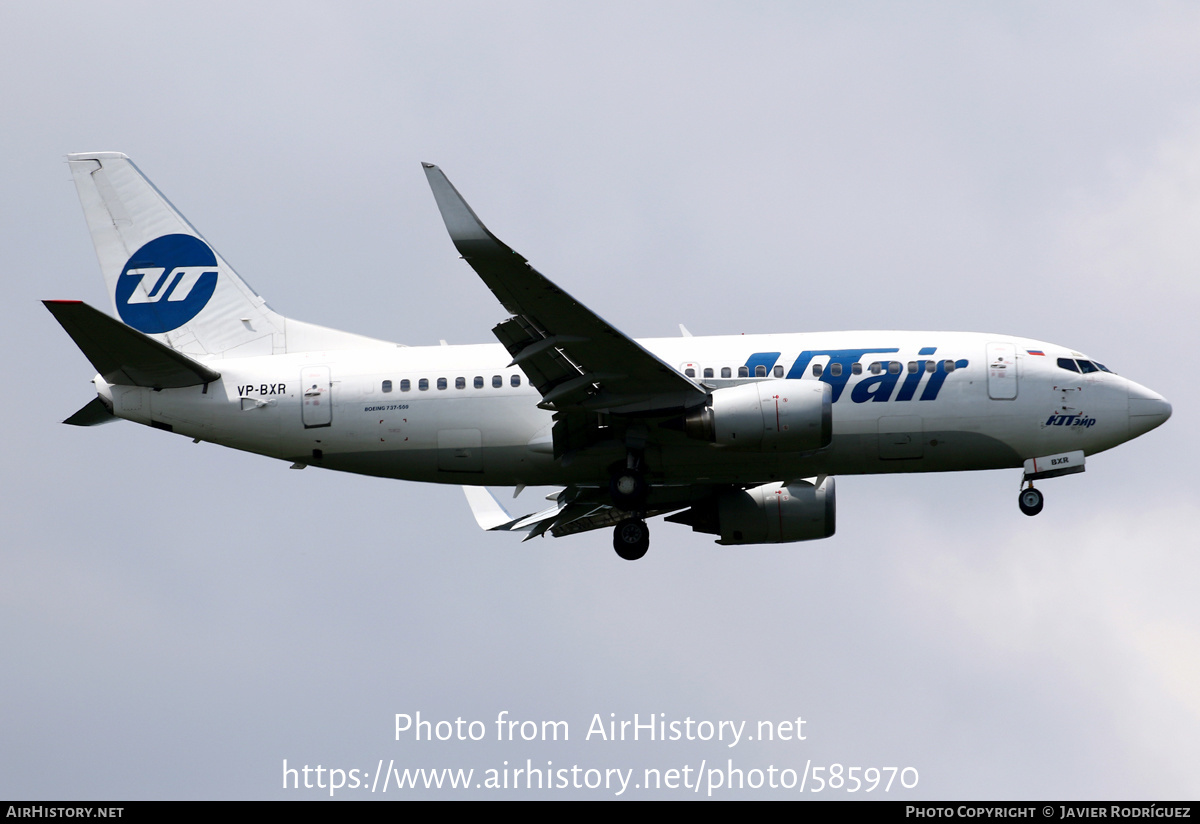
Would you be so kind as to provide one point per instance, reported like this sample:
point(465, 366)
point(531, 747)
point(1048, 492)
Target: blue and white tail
point(166, 280)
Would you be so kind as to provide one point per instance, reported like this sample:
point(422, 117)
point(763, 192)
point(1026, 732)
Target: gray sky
point(178, 619)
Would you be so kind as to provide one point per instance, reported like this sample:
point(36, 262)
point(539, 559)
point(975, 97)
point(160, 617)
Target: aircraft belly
point(500, 466)
point(850, 454)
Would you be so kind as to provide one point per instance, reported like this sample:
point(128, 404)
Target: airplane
point(737, 436)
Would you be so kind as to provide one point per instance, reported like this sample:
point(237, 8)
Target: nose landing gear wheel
point(631, 538)
point(1031, 501)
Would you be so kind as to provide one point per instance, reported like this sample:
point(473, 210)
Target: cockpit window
point(1086, 366)
point(1068, 364)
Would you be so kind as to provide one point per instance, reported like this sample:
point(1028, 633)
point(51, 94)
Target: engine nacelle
point(767, 416)
point(769, 514)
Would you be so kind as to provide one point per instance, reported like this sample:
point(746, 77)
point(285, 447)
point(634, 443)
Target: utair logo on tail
point(166, 283)
point(736, 436)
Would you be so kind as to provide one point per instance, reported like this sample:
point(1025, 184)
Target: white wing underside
point(564, 518)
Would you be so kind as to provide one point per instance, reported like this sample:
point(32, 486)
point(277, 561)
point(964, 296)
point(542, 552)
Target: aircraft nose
point(1147, 409)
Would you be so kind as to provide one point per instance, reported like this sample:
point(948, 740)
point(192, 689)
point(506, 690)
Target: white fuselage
point(477, 420)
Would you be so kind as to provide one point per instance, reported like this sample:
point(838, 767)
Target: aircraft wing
point(565, 518)
point(576, 360)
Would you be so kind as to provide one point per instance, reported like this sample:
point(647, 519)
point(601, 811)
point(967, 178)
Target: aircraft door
point(317, 396)
point(1002, 371)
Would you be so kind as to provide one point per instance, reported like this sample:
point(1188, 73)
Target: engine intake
point(770, 514)
point(768, 416)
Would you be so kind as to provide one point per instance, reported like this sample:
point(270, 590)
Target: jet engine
point(769, 514)
point(767, 416)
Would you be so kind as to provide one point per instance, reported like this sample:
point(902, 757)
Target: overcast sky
point(178, 619)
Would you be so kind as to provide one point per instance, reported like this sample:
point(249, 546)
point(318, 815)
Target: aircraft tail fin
point(123, 355)
point(167, 282)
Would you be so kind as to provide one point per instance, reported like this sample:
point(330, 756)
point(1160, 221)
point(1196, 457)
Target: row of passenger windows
point(459, 383)
point(760, 371)
point(1084, 366)
point(835, 369)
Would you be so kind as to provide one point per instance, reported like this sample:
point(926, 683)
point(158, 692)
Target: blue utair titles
point(873, 388)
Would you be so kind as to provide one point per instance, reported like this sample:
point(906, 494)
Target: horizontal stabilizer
point(93, 414)
point(123, 355)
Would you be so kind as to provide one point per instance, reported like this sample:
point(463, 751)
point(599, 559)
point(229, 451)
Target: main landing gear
point(1031, 500)
point(631, 538)
point(628, 489)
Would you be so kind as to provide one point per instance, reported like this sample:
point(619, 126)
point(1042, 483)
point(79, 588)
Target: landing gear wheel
point(1031, 501)
point(631, 538)
point(628, 490)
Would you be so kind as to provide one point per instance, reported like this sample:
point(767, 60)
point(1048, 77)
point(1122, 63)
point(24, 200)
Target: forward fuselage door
point(317, 396)
point(1002, 371)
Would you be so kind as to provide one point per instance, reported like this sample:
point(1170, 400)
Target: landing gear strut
point(631, 539)
point(1031, 500)
point(628, 486)
point(628, 489)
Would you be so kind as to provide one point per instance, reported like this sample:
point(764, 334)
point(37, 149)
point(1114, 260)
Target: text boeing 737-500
point(739, 436)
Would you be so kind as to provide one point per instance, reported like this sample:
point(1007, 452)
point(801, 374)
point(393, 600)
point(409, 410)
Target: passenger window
point(423, 384)
point(778, 371)
point(708, 373)
point(912, 366)
point(856, 368)
point(835, 369)
point(947, 366)
point(690, 372)
point(515, 380)
point(816, 370)
point(479, 381)
point(1068, 364)
point(930, 366)
point(405, 385)
point(760, 371)
point(726, 372)
point(497, 381)
point(442, 383)
point(743, 371)
point(894, 367)
point(387, 386)
point(876, 368)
